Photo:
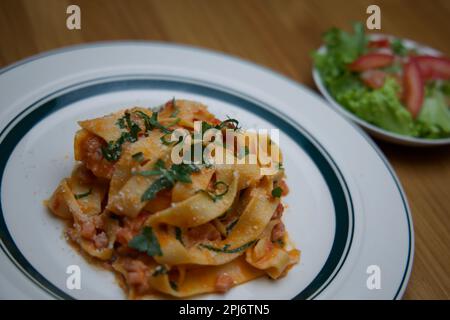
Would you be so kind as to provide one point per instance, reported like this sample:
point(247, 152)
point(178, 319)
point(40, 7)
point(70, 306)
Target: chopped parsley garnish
point(231, 226)
point(113, 150)
point(398, 47)
point(235, 124)
point(216, 194)
point(174, 122)
point(159, 270)
point(83, 195)
point(226, 248)
point(152, 122)
point(164, 141)
point(175, 111)
point(177, 172)
point(173, 285)
point(139, 157)
point(179, 235)
point(276, 192)
point(147, 242)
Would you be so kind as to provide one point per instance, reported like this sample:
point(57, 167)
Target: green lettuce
point(434, 118)
point(380, 107)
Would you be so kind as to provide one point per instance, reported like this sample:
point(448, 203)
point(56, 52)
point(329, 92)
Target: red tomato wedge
point(371, 61)
point(381, 43)
point(413, 87)
point(433, 67)
point(373, 78)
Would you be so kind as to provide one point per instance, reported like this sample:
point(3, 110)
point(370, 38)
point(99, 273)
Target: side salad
point(387, 84)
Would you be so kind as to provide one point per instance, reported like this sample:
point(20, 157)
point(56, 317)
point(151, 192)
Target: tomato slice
point(373, 78)
point(433, 67)
point(380, 43)
point(413, 87)
point(371, 61)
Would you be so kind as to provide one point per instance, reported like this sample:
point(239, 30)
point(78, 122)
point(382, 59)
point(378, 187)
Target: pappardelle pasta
point(173, 229)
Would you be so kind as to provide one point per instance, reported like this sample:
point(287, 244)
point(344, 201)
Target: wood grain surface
point(278, 34)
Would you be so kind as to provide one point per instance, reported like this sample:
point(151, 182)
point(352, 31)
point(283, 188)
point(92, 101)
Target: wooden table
point(280, 35)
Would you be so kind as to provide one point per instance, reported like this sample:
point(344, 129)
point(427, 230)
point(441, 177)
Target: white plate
point(347, 210)
point(375, 131)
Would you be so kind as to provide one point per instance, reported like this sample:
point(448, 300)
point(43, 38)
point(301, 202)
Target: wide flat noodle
point(93, 191)
point(200, 180)
point(187, 110)
point(111, 226)
point(63, 203)
point(203, 279)
point(199, 208)
point(250, 225)
point(273, 259)
point(106, 127)
point(127, 189)
point(256, 215)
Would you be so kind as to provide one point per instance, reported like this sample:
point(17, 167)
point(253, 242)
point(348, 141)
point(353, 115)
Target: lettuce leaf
point(342, 49)
point(380, 107)
point(434, 118)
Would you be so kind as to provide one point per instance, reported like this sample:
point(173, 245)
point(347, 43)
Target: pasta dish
point(170, 227)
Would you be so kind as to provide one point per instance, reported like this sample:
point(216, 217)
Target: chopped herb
point(139, 157)
point(231, 226)
point(83, 195)
point(121, 123)
point(168, 177)
point(280, 242)
point(182, 172)
point(133, 127)
point(174, 122)
point(146, 242)
point(164, 141)
point(159, 270)
point(179, 235)
point(276, 192)
point(206, 126)
point(176, 111)
point(398, 47)
point(173, 285)
point(147, 173)
point(213, 193)
point(113, 150)
point(168, 142)
point(226, 247)
point(160, 184)
point(221, 183)
point(225, 123)
point(152, 122)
